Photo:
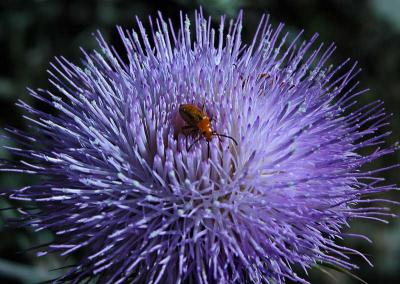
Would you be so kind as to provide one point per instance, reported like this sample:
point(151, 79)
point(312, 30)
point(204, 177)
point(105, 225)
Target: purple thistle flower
point(122, 186)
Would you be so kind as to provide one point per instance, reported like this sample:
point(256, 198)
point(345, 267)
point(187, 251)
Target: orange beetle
point(198, 122)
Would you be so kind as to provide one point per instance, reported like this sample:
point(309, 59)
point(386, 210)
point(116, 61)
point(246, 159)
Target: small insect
point(260, 77)
point(198, 122)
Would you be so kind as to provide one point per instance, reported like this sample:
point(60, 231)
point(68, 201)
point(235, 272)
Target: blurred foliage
point(32, 32)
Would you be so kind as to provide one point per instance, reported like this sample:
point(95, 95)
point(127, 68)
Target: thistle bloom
point(122, 187)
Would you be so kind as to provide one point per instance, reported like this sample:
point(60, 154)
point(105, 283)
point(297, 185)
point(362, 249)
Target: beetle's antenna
point(226, 136)
point(197, 140)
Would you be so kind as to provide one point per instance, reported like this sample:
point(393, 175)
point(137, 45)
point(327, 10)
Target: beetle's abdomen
point(191, 114)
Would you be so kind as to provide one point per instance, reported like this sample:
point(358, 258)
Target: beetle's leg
point(208, 149)
point(192, 131)
point(197, 140)
point(188, 130)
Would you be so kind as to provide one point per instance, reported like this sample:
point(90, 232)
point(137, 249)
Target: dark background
point(32, 32)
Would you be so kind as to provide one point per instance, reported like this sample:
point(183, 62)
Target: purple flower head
point(123, 188)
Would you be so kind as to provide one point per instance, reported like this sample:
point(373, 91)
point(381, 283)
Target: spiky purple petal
point(122, 186)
